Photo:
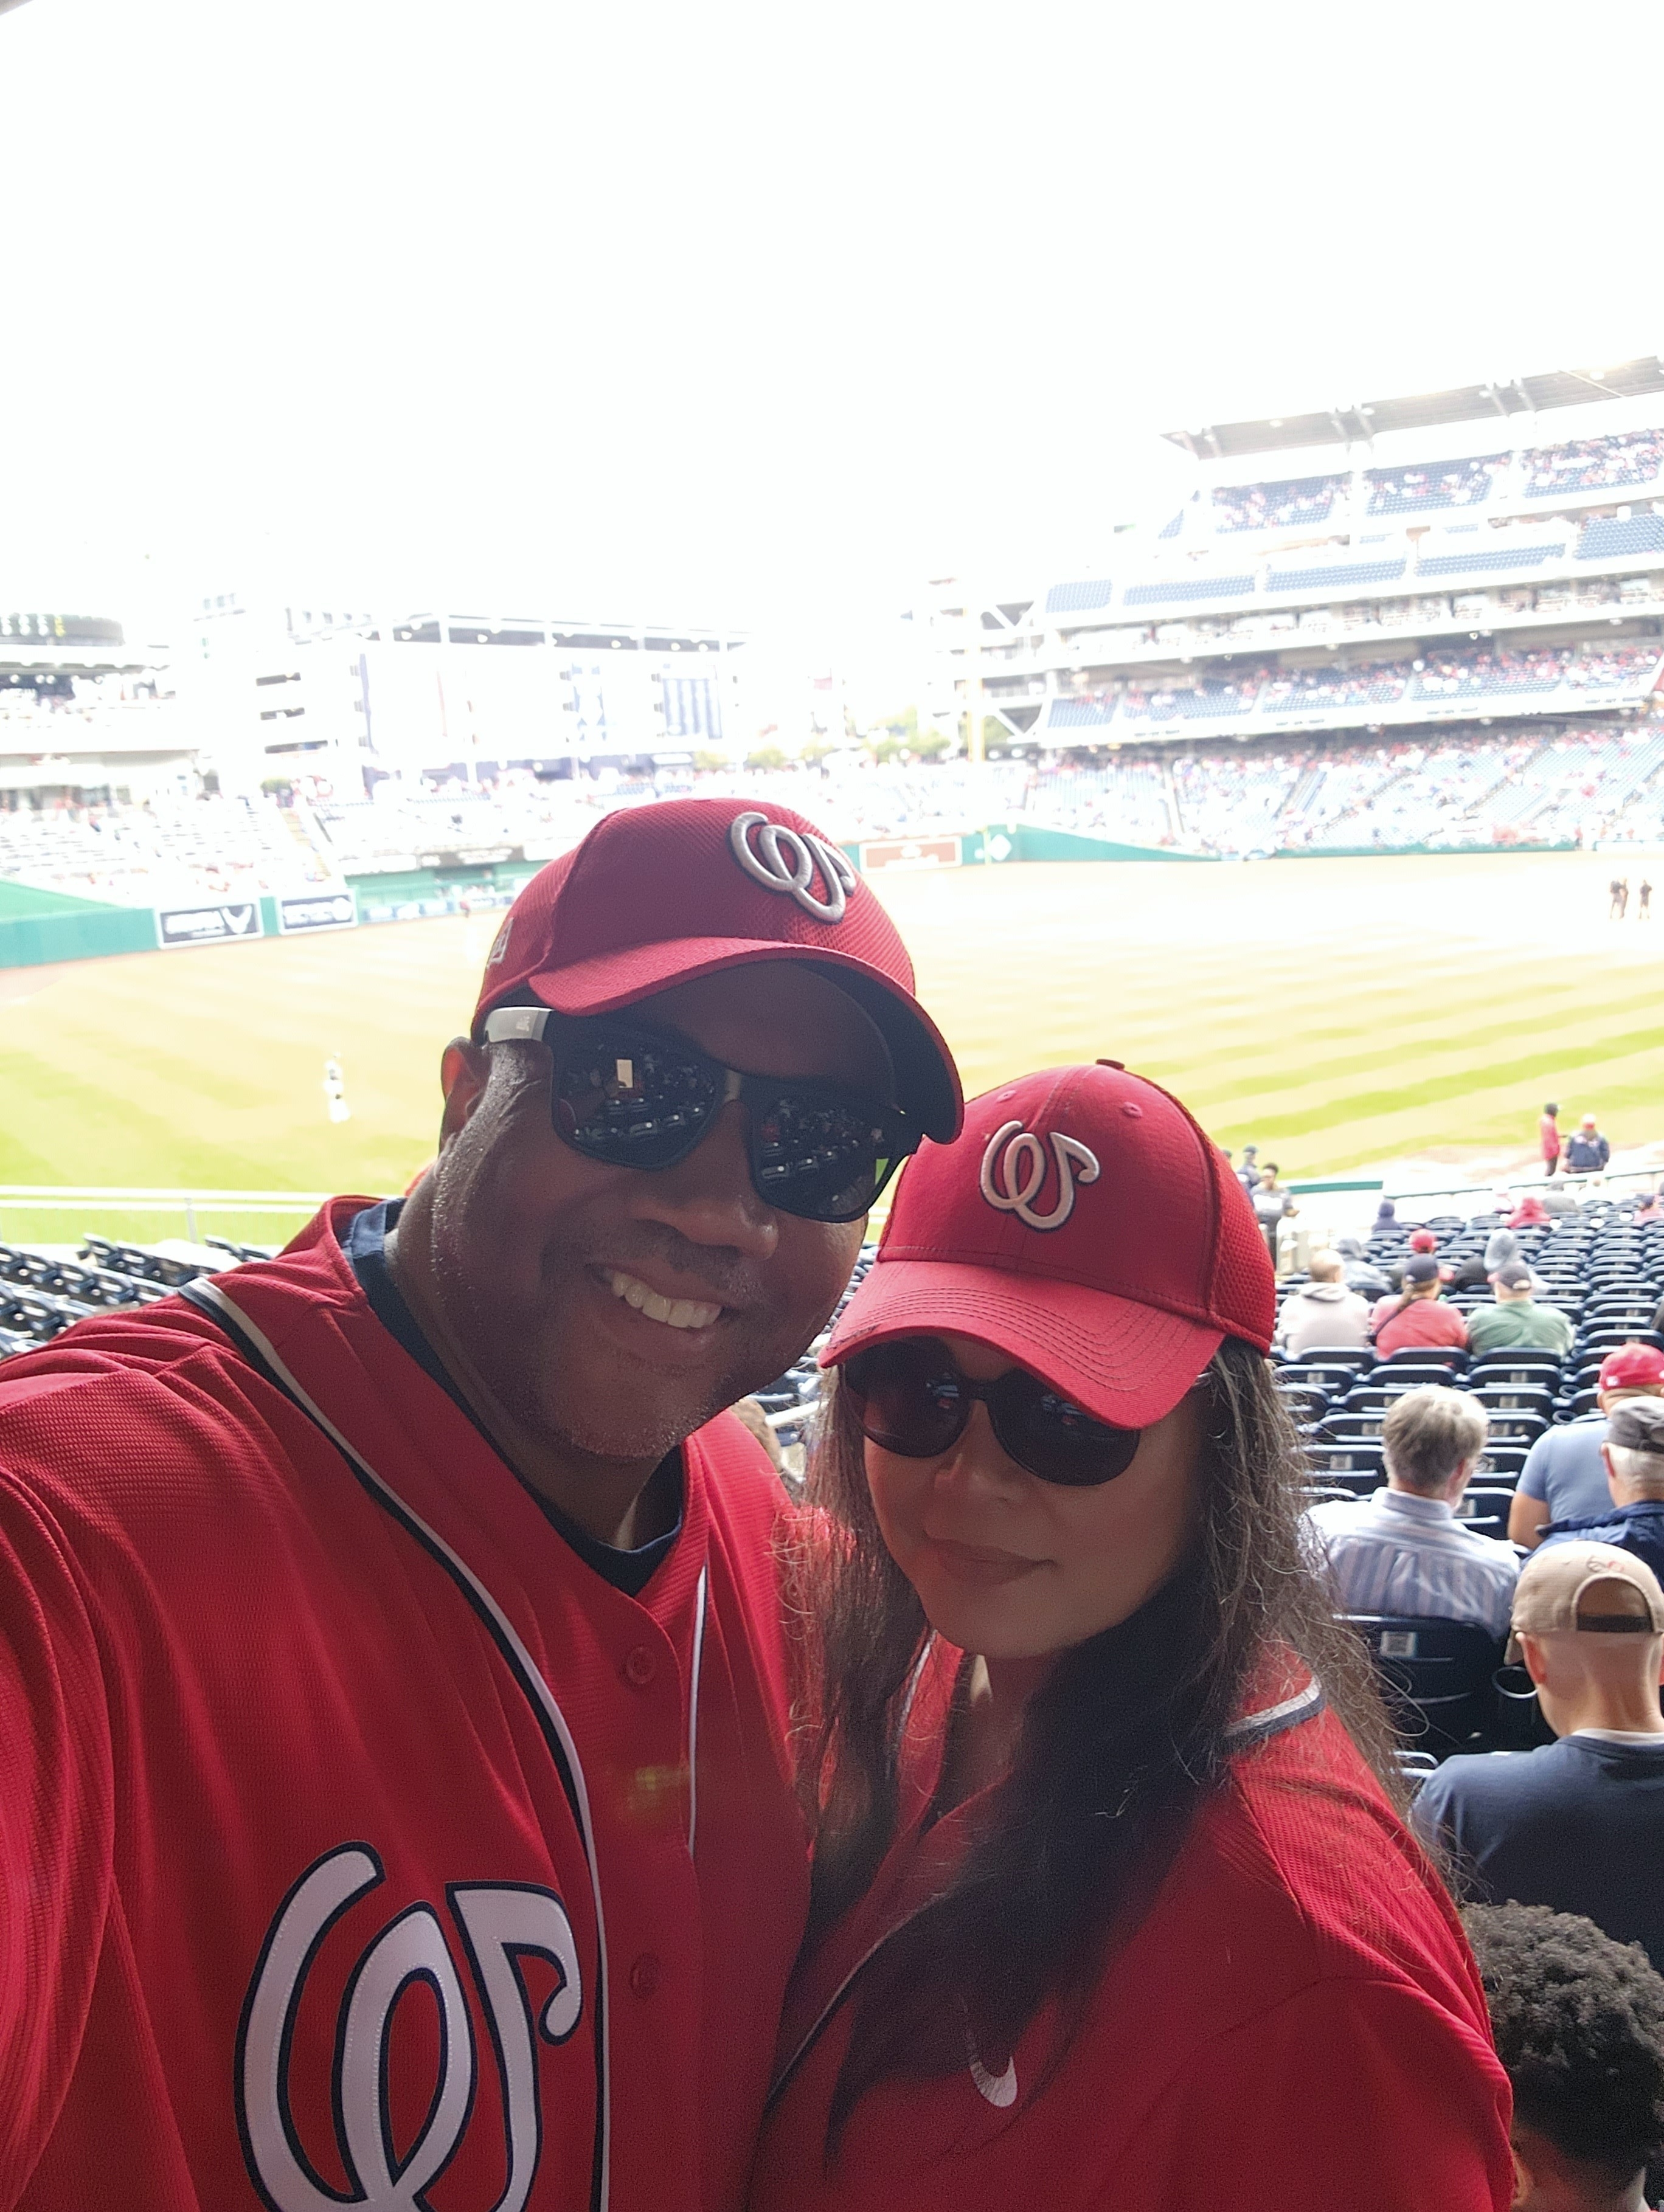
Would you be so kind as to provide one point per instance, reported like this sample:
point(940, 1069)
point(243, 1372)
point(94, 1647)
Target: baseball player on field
point(394, 1809)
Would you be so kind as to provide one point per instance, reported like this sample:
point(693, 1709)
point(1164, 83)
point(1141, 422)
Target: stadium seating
point(1425, 487)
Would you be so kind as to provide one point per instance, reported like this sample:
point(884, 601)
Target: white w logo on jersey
point(1014, 1169)
point(499, 1925)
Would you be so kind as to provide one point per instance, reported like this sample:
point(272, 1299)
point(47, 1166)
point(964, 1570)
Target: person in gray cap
point(1578, 1825)
point(1516, 1318)
point(1634, 1454)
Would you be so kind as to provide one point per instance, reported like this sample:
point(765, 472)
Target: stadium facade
point(354, 697)
point(81, 708)
point(1478, 561)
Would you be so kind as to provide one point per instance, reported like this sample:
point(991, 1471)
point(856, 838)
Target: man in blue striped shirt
point(1403, 1550)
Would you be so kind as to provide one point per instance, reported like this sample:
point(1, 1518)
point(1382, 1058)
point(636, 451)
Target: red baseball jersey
point(359, 1844)
point(1296, 2026)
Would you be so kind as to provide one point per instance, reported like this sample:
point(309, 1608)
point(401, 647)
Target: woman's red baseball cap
point(1083, 1224)
point(657, 895)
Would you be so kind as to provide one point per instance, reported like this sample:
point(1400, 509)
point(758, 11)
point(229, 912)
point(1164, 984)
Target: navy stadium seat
point(1437, 1677)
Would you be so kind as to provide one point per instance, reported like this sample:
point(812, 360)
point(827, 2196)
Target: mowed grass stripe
point(1338, 1013)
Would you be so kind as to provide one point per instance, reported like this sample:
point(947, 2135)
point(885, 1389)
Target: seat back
point(1358, 1462)
point(1436, 1676)
point(1516, 1398)
point(1484, 1508)
point(1520, 1366)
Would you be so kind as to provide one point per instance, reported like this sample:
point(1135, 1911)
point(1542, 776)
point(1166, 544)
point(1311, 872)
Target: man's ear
point(464, 1072)
point(1530, 1657)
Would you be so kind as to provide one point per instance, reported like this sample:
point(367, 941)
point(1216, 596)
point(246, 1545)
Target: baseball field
point(1339, 1013)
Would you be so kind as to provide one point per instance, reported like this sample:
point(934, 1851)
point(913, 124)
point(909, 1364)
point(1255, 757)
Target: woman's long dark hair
point(1117, 1748)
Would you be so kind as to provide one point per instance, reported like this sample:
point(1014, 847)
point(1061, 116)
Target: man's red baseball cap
point(657, 895)
point(1082, 1224)
point(1423, 1241)
point(1632, 1367)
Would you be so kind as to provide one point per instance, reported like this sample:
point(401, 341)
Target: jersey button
point(644, 1974)
point(639, 1666)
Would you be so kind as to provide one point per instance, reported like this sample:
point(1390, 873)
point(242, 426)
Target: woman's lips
point(980, 1565)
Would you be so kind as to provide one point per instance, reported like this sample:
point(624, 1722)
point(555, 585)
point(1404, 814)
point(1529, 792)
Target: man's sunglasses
point(910, 1399)
point(636, 1097)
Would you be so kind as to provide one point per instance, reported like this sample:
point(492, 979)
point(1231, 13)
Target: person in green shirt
point(1515, 1319)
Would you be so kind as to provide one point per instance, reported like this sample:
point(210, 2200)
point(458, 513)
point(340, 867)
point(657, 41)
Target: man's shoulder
point(1498, 1778)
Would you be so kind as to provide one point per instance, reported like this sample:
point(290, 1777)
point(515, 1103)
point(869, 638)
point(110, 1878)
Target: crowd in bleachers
point(1622, 460)
point(165, 852)
point(1424, 487)
point(1628, 457)
point(1436, 675)
point(1276, 506)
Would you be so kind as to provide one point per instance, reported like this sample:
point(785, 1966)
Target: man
point(1643, 911)
point(1516, 1319)
point(1324, 1311)
point(1633, 1451)
point(1248, 1174)
point(397, 1611)
point(1272, 1203)
point(1418, 1315)
point(1616, 896)
point(1579, 2024)
point(1578, 1825)
point(1548, 1138)
point(1564, 1476)
point(1403, 1550)
point(1588, 1150)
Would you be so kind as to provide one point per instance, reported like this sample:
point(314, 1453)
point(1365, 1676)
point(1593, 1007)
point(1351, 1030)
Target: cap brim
point(1123, 1362)
point(927, 1081)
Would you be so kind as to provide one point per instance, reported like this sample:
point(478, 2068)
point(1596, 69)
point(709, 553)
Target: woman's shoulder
point(1302, 1843)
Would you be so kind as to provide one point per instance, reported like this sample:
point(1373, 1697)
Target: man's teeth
point(677, 1313)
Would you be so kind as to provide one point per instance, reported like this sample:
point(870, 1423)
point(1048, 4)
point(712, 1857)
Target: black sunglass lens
point(632, 1100)
point(823, 1159)
point(1054, 1438)
point(910, 1398)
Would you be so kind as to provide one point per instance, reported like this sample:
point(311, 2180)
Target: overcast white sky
point(755, 312)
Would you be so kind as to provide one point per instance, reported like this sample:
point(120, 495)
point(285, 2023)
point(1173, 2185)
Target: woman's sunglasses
point(636, 1097)
point(910, 1399)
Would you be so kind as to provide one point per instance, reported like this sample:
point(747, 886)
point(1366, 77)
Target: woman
point(1111, 1913)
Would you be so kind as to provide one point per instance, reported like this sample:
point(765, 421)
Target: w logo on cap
point(783, 859)
point(1014, 1169)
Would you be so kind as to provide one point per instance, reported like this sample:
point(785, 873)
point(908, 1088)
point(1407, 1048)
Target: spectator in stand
point(1423, 1240)
point(1588, 1150)
point(1648, 1207)
point(1271, 1204)
point(1578, 1825)
point(1387, 1217)
point(1548, 1138)
point(1516, 1319)
point(1529, 1213)
point(1579, 2024)
point(1367, 1281)
point(1564, 1477)
point(1419, 1314)
point(1633, 1452)
point(1324, 1311)
point(1403, 1550)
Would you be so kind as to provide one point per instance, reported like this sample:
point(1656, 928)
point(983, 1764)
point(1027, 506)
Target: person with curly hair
point(1579, 2023)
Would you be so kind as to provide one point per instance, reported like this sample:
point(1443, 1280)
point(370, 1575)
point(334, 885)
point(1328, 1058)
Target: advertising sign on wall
point(208, 925)
point(317, 910)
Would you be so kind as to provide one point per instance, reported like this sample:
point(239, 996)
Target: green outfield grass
point(1337, 1012)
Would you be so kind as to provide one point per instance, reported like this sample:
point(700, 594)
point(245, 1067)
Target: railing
point(110, 1209)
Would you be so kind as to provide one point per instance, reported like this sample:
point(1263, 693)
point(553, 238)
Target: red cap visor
point(925, 1083)
point(1122, 1362)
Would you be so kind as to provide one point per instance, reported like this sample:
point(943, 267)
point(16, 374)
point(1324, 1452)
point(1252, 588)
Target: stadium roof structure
point(1361, 421)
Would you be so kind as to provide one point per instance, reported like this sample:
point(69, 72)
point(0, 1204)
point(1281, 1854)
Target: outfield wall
point(42, 926)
